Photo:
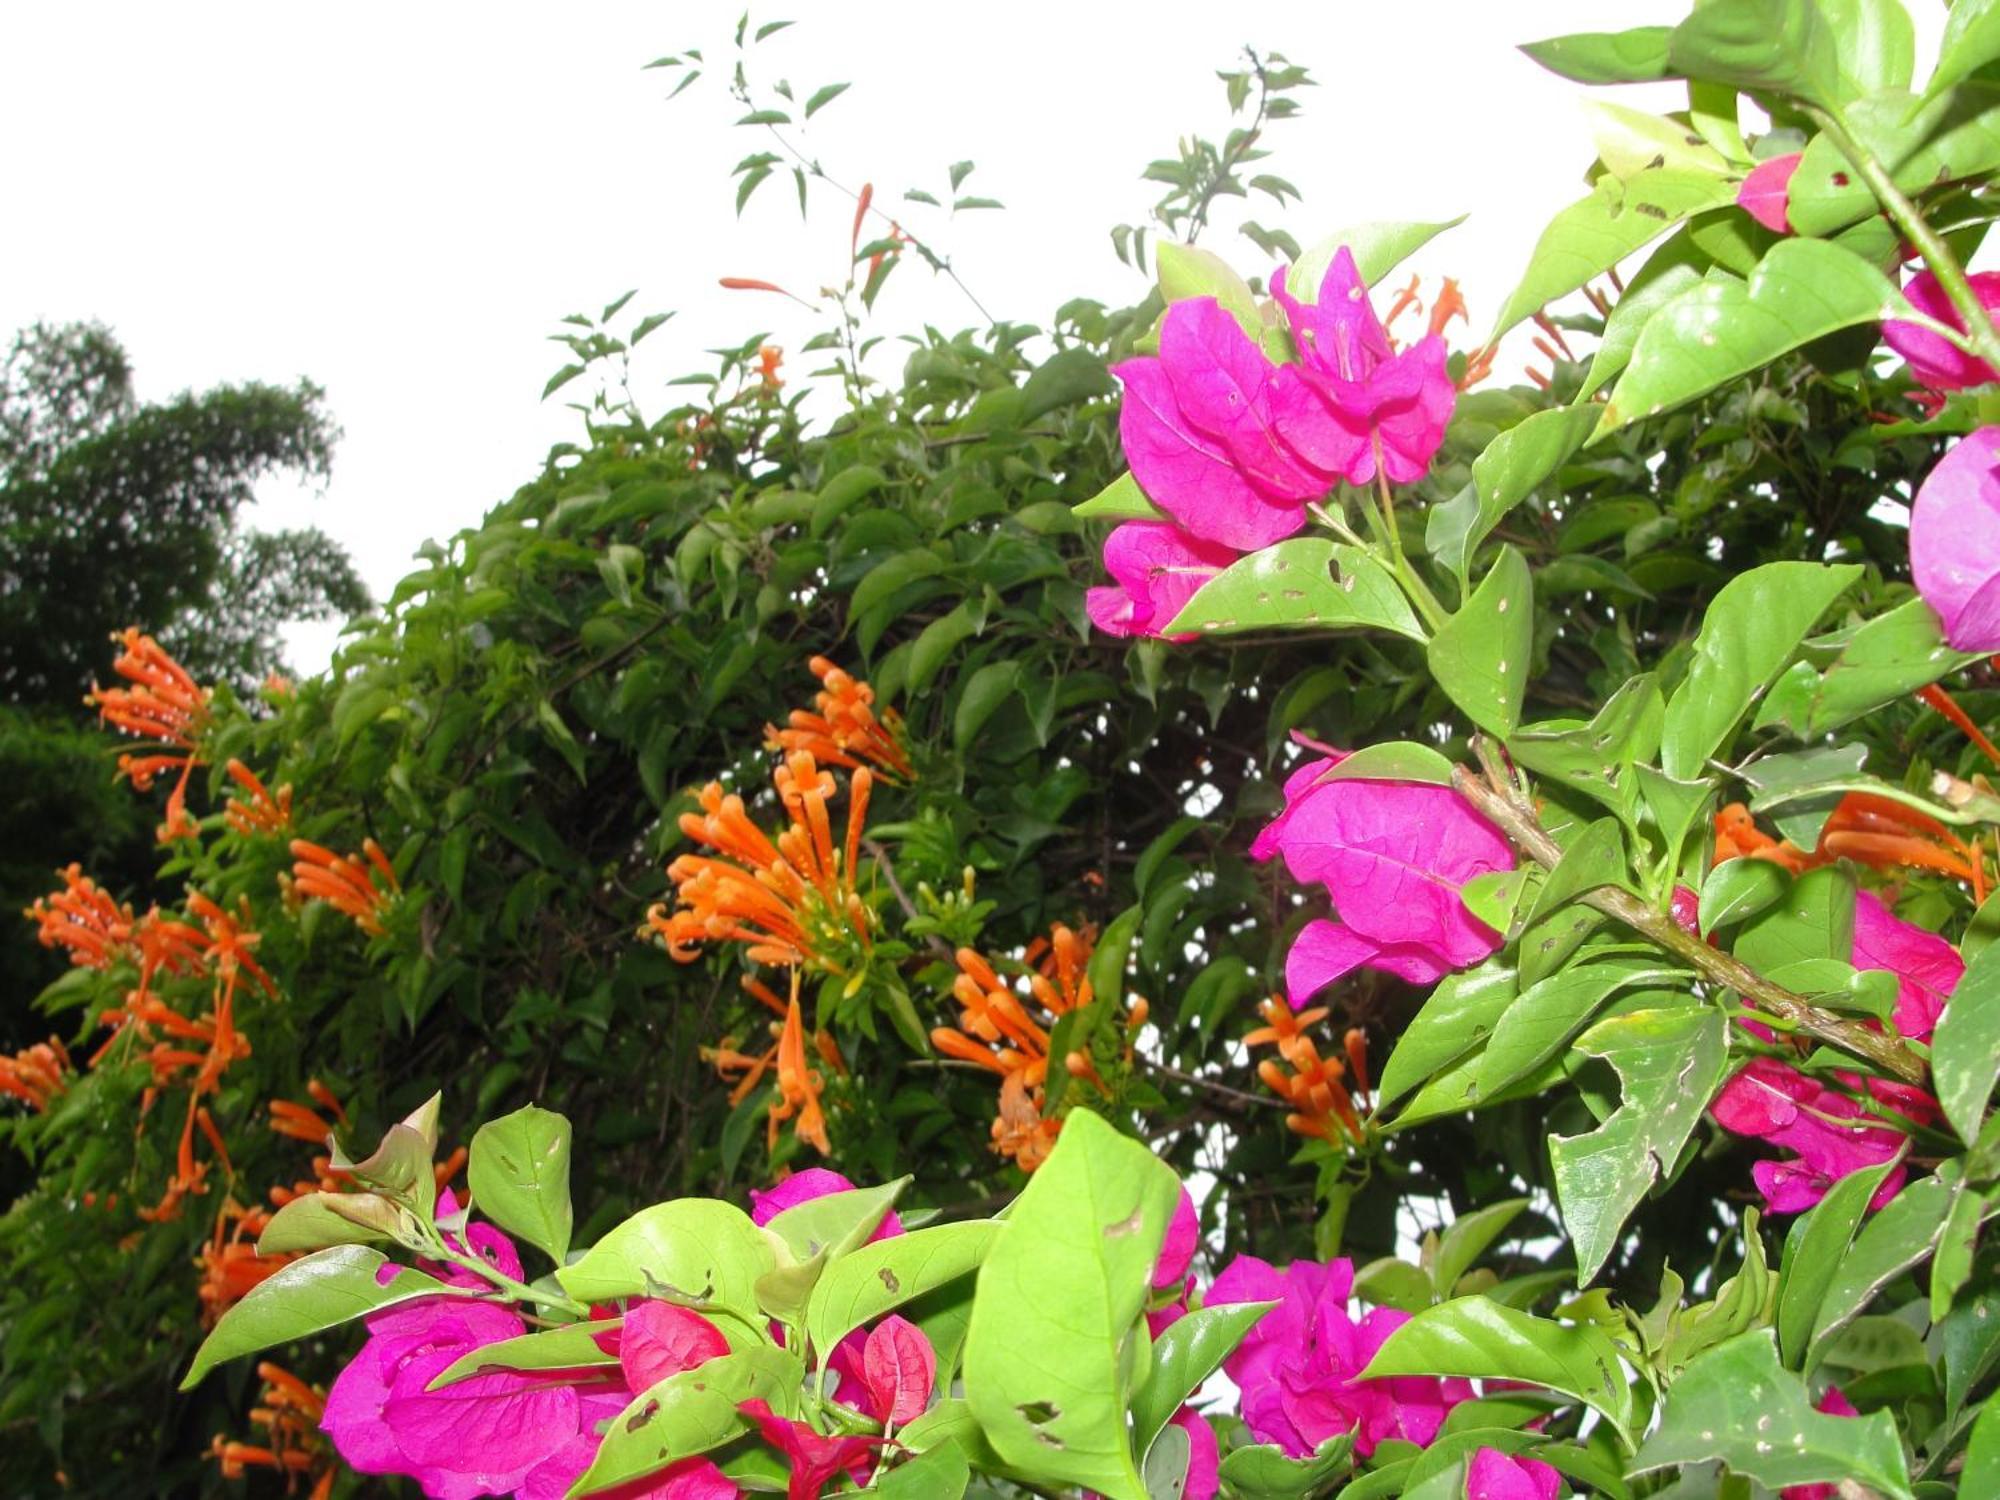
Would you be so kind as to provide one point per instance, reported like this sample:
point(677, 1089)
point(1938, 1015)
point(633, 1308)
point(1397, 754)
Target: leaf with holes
point(1307, 583)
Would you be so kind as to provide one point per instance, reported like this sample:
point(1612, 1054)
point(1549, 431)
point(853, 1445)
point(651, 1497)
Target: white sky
point(400, 202)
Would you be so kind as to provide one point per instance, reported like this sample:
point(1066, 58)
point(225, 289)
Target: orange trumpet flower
point(83, 918)
point(257, 811)
point(1321, 1105)
point(360, 889)
point(163, 703)
point(35, 1075)
point(844, 730)
point(289, 1412)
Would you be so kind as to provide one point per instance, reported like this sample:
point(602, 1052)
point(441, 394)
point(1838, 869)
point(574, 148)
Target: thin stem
point(1910, 220)
point(520, 1291)
point(1413, 585)
point(1506, 808)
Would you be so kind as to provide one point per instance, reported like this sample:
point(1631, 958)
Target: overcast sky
point(399, 202)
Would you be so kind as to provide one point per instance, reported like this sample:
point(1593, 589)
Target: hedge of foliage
point(1463, 910)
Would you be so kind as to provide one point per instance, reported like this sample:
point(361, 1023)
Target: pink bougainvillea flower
point(1686, 909)
point(1927, 967)
point(1393, 855)
point(1955, 541)
point(814, 1460)
point(1155, 570)
point(1493, 1475)
point(899, 1369)
point(1829, 1133)
point(1353, 401)
point(1177, 1250)
point(480, 1436)
point(660, 1339)
point(1933, 362)
point(803, 1187)
point(1204, 1470)
point(1765, 194)
point(1832, 1404)
point(1296, 1367)
point(1196, 426)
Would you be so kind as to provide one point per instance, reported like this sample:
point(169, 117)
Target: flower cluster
point(162, 703)
point(36, 1074)
point(1232, 446)
point(1832, 1129)
point(842, 728)
point(359, 887)
point(1001, 1032)
point(1394, 857)
point(1322, 1107)
point(289, 1410)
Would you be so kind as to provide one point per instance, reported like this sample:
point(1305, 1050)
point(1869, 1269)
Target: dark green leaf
point(1481, 656)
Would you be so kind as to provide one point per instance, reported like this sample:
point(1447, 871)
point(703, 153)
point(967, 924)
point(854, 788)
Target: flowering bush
point(1656, 881)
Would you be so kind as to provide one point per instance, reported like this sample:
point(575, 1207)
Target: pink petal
point(899, 1368)
point(1222, 385)
point(814, 1460)
point(1325, 951)
point(1190, 475)
point(1183, 1234)
point(803, 1187)
point(1493, 1475)
point(1204, 1470)
point(1927, 967)
point(1765, 194)
point(661, 1339)
point(1158, 568)
point(1934, 363)
point(1955, 541)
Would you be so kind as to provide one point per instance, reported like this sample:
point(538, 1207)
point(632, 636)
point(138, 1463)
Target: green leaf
point(871, 1280)
point(1058, 1300)
point(1478, 1338)
point(1186, 1353)
point(1884, 660)
point(312, 1221)
point(1737, 1405)
point(315, 1292)
point(1951, 138)
point(1874, 42)
point(939, 639)
point(1458, 1016)
point(1629, 318)
point(1262, 1471)
point(1467, 1238)
point(1814, 920)
point(1738, 889)
point(1593, 859)
point(985, 690)
point(1121, 500)
point(698, 1252)
point(821, 97)
point(1981, 1474)
point(1393, 760)
point(1378, 248)
point(560, 379)
point(1186, 271)
point(1669, 1065)
point(1307, 583)
point(689, 1413)
point(1971, 40)
point(890, 575)
point(835, 1222)
point(941, 1473)
point(1776, 46)
point(1635, 56)
point(1803, 823)
point(1513, 464)
point(1965, 1051)
point(1064, 379)
point(519, 1174)
point(573, 1346)
point(1594, 234)
point(1535, 1027)
point(1480, 657)
point(1722, 329)
point(1629, 141)
point(1589, 758)
point(1896, 1238)
point(1750, 631)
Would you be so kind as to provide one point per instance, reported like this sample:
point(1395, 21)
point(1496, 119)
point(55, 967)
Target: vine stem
point(1909, 219)
point(1503, 805)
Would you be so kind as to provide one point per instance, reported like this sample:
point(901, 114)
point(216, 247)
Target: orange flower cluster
point(289, 1413)
point(256, 811)
point(163, 703)
point(230, 1266)
point(998, 1032)
point(36, 1074)
point(791, 900)
point(1868, 829)
point(346, 882)
point(798, 1086)
point(1314, 1087)
point(845, 729)
point(83, 918)
point(769, 358)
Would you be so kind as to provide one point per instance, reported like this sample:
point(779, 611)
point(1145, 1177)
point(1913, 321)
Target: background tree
point(114, 510)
